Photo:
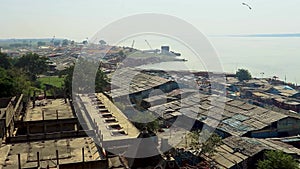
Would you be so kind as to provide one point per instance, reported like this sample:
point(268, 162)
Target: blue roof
point(288, 88)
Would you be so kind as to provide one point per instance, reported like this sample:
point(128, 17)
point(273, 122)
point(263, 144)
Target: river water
point(262, 56)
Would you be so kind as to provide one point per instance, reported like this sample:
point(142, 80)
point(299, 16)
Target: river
point(262, 56)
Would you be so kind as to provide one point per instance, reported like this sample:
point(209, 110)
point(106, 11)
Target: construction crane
point(148, 44)
point(247, 5)
point(151, 49)
point(132, 45)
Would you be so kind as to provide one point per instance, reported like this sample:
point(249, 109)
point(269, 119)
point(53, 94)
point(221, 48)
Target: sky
point(78, 19)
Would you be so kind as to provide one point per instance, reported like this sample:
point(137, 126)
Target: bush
point(243, 74)
point(277, 160)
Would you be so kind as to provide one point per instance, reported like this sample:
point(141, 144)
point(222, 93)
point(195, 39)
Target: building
point(45, 133)
point(47, 119)
point(166, 97)
point(242, 152)
point(230, 117)
point(165, 49)
point(75, 153)
point(283, 90)
point(10, 111)
point(272, 97)
point(112, 128)
point(136, 85)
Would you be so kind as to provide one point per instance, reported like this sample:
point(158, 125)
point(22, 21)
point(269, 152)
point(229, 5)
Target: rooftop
point(129, 81)
point(69, 151)
point(50, 108)
point(112, 123)
point(234, 117)
point(237, 149)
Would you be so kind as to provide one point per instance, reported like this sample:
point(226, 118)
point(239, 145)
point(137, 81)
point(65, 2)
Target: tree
point(146, 119)
point(205, 142)
point(210, 145)
point(5, 61)
point(13, 82)
point(85, 42)
point(32, 64)
point(121, 53)
point(88, 73)
point(56, 43)
point(277, 160)
point(102, 42)
point(21, 82)
point(68, 79)
point(65, 42)
point(41, 43)
point(243, 74)
point(101, 81)
point(7, 84)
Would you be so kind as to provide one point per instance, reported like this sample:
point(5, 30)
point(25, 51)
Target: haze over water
point(273, 56)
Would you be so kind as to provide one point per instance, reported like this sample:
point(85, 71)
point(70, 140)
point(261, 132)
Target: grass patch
point(51, 80)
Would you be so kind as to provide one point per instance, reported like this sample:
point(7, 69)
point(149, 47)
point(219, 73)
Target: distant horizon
point(266, 35)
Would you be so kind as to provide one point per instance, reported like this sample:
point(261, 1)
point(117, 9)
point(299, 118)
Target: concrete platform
point(49, 107)
point(69, 151)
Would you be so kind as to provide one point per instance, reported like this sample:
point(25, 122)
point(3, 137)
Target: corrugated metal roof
point(237, 149)
point(139, 81)
point(237, 117)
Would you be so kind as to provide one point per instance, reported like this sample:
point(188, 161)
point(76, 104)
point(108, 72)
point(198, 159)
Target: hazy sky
point(78, 19)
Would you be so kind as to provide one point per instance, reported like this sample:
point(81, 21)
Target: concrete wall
point(48, 126)
point(9, 113)
point(103, 164)
point(47, 136)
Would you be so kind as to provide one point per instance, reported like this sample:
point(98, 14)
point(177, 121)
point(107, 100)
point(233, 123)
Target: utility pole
point(285, 79)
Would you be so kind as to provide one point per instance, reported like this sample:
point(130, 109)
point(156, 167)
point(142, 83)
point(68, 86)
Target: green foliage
point(5, 61)
point(51, 80)
point(151, 122)
point(243, 74)
point(102, 42)
point(203, 142)
point(121, 53)
point(22, 82)
point(18, 45)
point(56, 43)
point(39, 43)
point(65, 42)
point(277, 160)
point(17, 75)
point(7, 84)
point(88, 73)
point(210, 145)
point(85, 42)
point(68, 72)
point(101, 81)
point(13, 82)
point(32, 64)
